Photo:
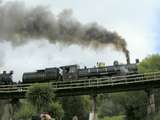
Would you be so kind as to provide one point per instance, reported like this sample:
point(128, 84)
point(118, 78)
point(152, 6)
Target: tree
point(40, 98)
point(75, 106)
point(109, 108)
point(132, 104)
point(152, 64)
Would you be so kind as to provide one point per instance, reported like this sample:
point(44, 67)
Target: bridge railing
point(96, 82)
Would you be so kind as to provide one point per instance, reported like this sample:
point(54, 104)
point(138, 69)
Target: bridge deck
point(89, 86)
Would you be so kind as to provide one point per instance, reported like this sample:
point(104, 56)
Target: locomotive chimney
point(127, 57)
point(137, 60)
point(11, 72)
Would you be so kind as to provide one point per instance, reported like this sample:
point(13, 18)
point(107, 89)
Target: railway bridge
point(94, 86)
point(134, 82)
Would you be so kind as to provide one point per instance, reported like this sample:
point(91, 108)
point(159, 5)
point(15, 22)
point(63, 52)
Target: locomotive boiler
point(45, 75)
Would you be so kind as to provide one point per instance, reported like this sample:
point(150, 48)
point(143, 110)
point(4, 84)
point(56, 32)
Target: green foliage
point(26, 112)
point(55, 108)
point(150, 64)
point(74, 106)
point(121, 117)
point(157, 116)
point(40, 96)
point(86, 101)
point(134, 103)
point(109, 108)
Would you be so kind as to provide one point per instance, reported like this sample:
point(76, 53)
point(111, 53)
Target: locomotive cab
point(70, 72)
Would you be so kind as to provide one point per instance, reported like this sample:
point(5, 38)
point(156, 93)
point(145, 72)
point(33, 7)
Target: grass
point(121, 117)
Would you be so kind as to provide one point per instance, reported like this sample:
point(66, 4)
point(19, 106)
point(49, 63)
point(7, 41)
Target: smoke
point(2, 58)
point(2, 54)
point(18, 24)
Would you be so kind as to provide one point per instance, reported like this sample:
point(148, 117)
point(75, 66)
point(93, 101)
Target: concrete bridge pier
point(151, 107)
point(14, 104)
point(8, 108)
point(93, 115)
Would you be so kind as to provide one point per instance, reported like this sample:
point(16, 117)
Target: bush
point(26, 112)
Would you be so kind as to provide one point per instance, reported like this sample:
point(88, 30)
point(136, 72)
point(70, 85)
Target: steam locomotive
point(6, 78)
point(72, 72)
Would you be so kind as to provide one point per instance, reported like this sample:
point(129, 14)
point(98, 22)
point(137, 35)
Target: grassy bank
point(121, 117)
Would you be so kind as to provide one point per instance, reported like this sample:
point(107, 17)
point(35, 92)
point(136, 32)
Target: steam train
point(72, 72)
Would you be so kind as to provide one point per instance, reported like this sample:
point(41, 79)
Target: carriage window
point(66, 70)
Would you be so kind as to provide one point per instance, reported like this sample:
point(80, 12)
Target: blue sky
point(156, 30)
point(135, 20)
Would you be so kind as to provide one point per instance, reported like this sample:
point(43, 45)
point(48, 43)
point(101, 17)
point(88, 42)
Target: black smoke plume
point(18, 24)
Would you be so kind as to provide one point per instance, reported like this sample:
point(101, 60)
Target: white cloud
point(41, 54)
